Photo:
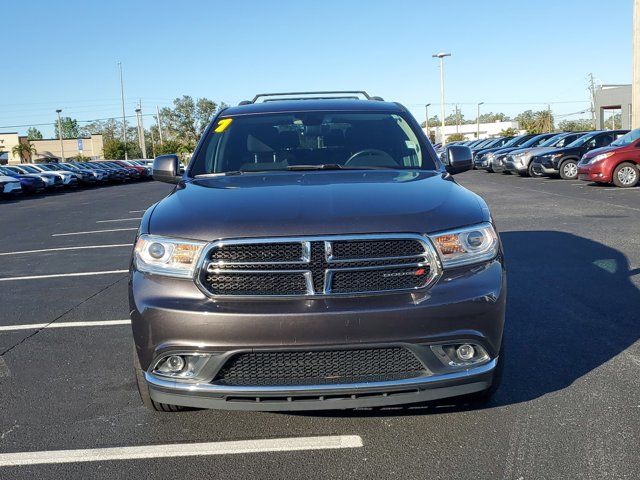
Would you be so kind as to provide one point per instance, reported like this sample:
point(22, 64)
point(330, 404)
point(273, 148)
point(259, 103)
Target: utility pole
point(441, 56)
point(60, 135)
point(159, 124)
point(457, 120)
point(635, 85)
point(124, 119)
point(592, 91)
point(141, 140)
point(478, 120)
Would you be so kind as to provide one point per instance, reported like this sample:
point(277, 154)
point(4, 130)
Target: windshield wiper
point(335, 166)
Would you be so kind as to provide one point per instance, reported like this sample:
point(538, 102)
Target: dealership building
point(50, 149)
point(610, 100)
point(470, 130)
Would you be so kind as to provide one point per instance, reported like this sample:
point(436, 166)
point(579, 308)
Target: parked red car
point(617, 163)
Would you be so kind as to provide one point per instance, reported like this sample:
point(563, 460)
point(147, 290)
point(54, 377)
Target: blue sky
point(513, 55)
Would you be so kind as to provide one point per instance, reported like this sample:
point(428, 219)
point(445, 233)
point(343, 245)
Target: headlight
point(167, 256)
point(599, 158)
point(465, 246)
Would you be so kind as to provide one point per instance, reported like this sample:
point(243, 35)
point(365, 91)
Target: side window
point(591, 143)
point(604, 140)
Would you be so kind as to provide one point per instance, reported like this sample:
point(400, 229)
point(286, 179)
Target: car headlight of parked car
point(467, 245)
point(167, 256)
point(598, 158)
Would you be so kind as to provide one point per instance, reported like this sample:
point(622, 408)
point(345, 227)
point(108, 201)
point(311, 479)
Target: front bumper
point(373, 394)
point(512, 166)
point(544, 169)
point(172, 315)
point(11, 188)
point(593, 173)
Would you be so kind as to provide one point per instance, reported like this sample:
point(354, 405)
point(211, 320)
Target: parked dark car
point(82, 177)
point(563, 162)
point(316, 255)
point(618, 163)
point(53, 180)
point(29, 184)
point(519, 160)
point(500, 157)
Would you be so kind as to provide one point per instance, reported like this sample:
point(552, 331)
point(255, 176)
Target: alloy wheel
point(627, 175)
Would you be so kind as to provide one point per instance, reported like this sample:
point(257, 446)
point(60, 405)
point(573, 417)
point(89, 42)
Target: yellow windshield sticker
point(223, 124)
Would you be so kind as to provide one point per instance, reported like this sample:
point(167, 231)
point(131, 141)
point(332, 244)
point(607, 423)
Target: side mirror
point(166, 168)
point(457, 159)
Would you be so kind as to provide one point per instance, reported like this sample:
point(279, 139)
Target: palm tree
point(24, 150)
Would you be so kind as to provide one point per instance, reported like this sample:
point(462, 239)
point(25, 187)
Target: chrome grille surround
point(427, 259)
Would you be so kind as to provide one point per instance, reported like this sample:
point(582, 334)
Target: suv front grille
point(318, 266)
point(320, 367)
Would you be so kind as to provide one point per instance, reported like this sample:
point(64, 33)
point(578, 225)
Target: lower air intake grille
point(320, 367)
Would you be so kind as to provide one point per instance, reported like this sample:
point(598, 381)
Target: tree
point(579, 125)
point(455, 137)
point(113, 149)
point(169, 146)
point(24, 151)
point(456, 118)
point(509, 132)
point(491, 117)
point(535, 122)
point(613, 122)
point(188, 118)
point(34, 134)
point(69, 127)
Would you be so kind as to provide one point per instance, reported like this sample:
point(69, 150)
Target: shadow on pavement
point(571, 307)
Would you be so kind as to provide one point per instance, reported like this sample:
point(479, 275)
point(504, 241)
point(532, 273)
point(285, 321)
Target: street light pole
point(124, 120)
point(478, 120)
point(635, 84)
point(441, 56)
point(60, 135)
point(426, 124)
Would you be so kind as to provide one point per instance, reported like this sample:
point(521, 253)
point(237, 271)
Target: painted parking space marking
point(120, 220)
point(93, 231)
point(137, 211)
point(61, 249)
point(58, 275)
point(181, 450)
point(39, 326)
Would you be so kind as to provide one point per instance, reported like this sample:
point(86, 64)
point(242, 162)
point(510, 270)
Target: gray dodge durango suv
point(316, 254)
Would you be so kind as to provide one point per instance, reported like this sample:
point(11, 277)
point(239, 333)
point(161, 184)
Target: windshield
point(627, 138)
point(513, 142)
point(30, 169)
point(535, 141)
point(551, 141)
point(310, 140)
point(582, 140)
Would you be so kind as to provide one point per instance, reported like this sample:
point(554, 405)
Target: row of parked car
point(601, 156)
point(33, 178)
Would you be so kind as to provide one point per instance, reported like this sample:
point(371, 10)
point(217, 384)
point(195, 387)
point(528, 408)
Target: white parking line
point(38, 326)
point(181, 450)
point(93, 231)
point(120, 220)
point(60, 249)
point(137, 211)
point(58, 275)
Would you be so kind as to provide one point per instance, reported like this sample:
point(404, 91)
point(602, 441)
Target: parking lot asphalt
point(569, 405)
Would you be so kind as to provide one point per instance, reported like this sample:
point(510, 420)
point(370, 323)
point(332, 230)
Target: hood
point(315, 203)
point(7, 179)
point(598, 151)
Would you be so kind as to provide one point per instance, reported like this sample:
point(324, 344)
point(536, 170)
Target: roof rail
point(354, 94)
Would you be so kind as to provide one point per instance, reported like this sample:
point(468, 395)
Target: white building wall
point(470, 130)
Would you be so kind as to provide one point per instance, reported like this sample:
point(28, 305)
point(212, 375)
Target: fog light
point(174, 364)
point(465, 352)
point(156, 250)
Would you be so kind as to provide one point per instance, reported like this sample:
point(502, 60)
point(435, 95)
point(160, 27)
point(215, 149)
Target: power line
point(79, 121)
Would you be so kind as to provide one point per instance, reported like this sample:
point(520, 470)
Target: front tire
point(143, 390)
point(569, 170)
point(626, 175)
